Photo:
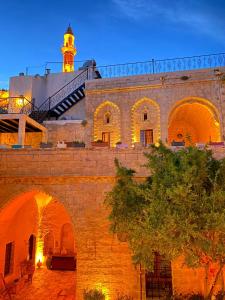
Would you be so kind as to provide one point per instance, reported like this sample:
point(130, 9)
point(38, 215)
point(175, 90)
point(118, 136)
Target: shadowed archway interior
point(193, 123)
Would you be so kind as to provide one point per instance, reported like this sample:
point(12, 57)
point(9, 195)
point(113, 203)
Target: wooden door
point(106, 137)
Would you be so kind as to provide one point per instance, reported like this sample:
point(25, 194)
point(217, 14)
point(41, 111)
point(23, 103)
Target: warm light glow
point(68, 51)
point(138, 124)
point(194, 121)
point(114, 126)
point(42, 201)
point(20, 102)
point(4, 94)
point(103, 289)
point(217, 124)
point(4, 98)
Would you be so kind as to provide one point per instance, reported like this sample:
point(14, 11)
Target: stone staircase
point(68, 102)
point(65, 98)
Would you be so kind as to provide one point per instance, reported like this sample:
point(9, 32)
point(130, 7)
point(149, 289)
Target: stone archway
point(29, 219)
point(107, 123)
point(193, 121)
point(145, 117)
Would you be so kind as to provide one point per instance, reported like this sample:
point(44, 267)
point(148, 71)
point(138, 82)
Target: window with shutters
point(146, 137)
point(9, 254)
point(106, 137)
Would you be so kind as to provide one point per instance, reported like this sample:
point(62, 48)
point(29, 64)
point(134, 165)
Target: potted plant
point(100, 143)
point(118, 145)
point(76, 144)
point(84, 123)
point(46, 145)
point(184, 77)
point(93, 295)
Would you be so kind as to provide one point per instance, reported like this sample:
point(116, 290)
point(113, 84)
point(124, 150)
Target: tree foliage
point(179, 209)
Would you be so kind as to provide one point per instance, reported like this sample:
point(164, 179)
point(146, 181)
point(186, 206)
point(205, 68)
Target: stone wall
point(65, 130)
point(31, 138)
point(166, 90)
point(79, 180)
point(76, 112)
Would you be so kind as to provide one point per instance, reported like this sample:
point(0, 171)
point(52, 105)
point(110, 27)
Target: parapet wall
point(72, 162)
point(79, 179)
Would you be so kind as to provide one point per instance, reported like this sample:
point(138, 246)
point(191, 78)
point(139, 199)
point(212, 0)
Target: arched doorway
point(193, 121)
point(145, 117)
point(23, 243)
point(107, 127)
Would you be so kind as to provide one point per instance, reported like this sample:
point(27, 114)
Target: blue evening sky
point(110, 31)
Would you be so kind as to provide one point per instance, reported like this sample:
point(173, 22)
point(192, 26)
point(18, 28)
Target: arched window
point(70, 41)
point(145, 116)
point(107, 118)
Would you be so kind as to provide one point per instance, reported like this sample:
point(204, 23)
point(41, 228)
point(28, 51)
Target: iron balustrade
point(87, 72)
point(163, 66)
point(18, 105)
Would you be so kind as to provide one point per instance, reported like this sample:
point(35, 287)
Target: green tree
point(178, 210)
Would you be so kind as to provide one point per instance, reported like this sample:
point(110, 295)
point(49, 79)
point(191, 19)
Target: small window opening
point(107, 118)
point(145, 116)
point(9, 253)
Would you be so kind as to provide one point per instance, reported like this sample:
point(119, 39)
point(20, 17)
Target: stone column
point(21, 130)
point(44, 137)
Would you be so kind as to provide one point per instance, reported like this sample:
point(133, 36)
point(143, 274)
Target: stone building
point(52, 192)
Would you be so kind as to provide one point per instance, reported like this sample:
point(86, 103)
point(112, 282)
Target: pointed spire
point(69, 30)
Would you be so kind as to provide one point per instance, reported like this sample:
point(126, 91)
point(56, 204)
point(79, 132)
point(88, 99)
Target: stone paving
point(49, 285)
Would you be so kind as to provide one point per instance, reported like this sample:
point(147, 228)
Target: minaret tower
point(68, 51)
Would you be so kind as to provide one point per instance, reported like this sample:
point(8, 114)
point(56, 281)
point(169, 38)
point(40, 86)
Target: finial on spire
point(69, 30)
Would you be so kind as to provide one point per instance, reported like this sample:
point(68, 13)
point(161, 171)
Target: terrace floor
point(49, 285)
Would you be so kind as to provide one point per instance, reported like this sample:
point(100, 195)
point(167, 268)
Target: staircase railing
point(16, 105)
point(65, 91)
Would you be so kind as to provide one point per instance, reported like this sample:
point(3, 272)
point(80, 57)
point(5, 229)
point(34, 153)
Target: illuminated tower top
point(68, 50)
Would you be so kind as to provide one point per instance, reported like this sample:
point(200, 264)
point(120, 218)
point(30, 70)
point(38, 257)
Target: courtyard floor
point(49, 285)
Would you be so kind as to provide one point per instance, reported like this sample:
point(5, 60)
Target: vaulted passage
point(193, 122)
point(37, 242)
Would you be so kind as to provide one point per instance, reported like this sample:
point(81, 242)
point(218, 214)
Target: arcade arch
point(107, 127)
point(145, 115)
point(33, 223)
point(194, 121)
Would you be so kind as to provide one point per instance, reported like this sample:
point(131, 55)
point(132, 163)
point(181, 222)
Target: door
point(106, 137)
point(159, 281)
point(146, 137)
